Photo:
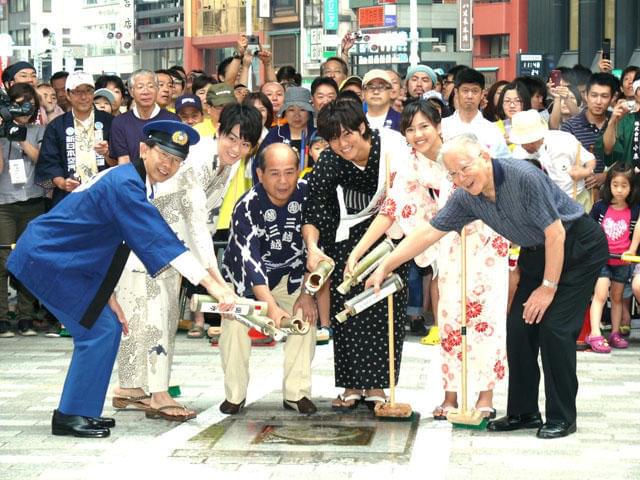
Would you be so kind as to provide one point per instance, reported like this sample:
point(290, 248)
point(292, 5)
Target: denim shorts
point(617, 273)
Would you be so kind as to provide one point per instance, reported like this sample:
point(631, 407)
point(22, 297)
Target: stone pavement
point(266, 442)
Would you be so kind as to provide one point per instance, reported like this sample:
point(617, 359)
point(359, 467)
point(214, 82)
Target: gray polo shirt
point(12, 193)
point(527, 202)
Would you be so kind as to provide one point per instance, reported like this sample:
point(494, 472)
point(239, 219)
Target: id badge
point(17, 171)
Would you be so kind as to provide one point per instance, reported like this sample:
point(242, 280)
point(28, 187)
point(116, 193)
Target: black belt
point(533, 248)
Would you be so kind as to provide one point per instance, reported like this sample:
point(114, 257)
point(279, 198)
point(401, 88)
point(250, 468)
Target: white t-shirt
point(557, 155)
point(487, 132)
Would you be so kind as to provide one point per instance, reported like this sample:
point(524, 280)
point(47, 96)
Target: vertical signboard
point(125, 27)
point(465, 33)
point(331, 21)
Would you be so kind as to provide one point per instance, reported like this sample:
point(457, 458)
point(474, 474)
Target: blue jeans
point(415, 289)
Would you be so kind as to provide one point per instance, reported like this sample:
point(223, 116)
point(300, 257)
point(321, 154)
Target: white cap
point(77, 78)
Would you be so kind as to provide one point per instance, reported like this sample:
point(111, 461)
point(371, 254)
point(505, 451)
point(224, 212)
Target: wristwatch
point(306, 291)
point(549, 283)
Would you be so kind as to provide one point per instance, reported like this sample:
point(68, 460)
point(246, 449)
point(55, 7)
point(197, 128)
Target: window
point(284, 7)
point(46, 5)
point(447, 39)
point(313, 13)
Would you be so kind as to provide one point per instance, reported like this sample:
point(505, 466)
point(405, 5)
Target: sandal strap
point(375, 398)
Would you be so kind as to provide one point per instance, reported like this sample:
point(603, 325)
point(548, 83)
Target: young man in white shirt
point(469, 86)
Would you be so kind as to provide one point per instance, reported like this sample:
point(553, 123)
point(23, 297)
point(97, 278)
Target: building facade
point(562, 32)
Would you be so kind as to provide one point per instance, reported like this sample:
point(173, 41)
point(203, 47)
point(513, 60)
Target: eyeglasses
point(332, 72)
point(464, 170)
point(512, 101)
point(377, 88)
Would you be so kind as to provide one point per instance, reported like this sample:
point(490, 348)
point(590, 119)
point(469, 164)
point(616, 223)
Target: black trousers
point(585, 253)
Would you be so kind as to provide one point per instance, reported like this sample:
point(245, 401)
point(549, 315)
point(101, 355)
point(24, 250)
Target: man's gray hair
point(462, 141)
point(142, 72)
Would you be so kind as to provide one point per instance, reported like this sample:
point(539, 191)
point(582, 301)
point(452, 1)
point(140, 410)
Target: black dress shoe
point(231, 408)
point(102, 422)
point(304, 406)
point(556, 429)
point(76, 426)
point(516, 422)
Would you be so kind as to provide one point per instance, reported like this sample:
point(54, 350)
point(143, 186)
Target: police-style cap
point(171, 136)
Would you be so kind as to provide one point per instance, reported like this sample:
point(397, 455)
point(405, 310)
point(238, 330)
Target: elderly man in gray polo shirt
point(562, 253)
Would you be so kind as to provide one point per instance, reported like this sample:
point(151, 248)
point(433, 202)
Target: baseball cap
point(77, 78)
point(376, 73)
point(184, 101)
point(220, 94)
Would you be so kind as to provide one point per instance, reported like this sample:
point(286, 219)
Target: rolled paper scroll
point(319, 276)
point(262, 324)
point(294, 325)
point(366, 265)
point(245, 306)
point(361, 302)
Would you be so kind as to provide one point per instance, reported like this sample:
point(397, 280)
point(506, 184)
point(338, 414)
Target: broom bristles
point(396, 410)
point(468, 419)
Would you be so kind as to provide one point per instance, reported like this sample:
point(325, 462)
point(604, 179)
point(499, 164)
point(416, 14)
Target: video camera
point(9, 129)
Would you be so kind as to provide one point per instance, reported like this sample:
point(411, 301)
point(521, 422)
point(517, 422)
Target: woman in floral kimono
point(410, 202)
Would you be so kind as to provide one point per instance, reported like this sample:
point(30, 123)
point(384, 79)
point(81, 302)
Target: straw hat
point(527, 127)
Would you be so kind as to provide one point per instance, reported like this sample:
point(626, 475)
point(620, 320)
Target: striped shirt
point(586, 133)
point(527, 202)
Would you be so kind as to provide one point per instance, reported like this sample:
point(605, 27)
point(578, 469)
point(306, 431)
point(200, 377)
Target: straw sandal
point(344, 406)
point(160, 412)
point(441, 411)
point(487, 412)
point(136, 403)
point(372, 400)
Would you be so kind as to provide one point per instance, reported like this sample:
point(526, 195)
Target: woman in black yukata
point(346, 191)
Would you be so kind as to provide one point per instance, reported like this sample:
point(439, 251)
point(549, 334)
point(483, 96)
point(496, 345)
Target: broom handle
point(463, 316)
point(575, 182)
point(392, 359)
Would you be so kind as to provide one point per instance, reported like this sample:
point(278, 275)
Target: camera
point(9, 129)
point(631, 105)
point(253, 44)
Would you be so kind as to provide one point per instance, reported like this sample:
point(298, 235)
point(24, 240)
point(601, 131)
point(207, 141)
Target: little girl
point(616, 213)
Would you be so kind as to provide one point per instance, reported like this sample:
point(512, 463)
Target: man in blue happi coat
point(72, 258)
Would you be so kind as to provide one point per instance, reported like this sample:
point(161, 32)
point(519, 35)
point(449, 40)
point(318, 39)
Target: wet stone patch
point(290, 438)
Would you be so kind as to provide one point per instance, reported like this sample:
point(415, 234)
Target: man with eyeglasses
point(127, 134)
point(72, 257)
point(377, 93)
point(562, 253)
point(469, 86)
point(75, 145)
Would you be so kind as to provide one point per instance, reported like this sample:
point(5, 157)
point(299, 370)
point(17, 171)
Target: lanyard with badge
point(17, 170)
